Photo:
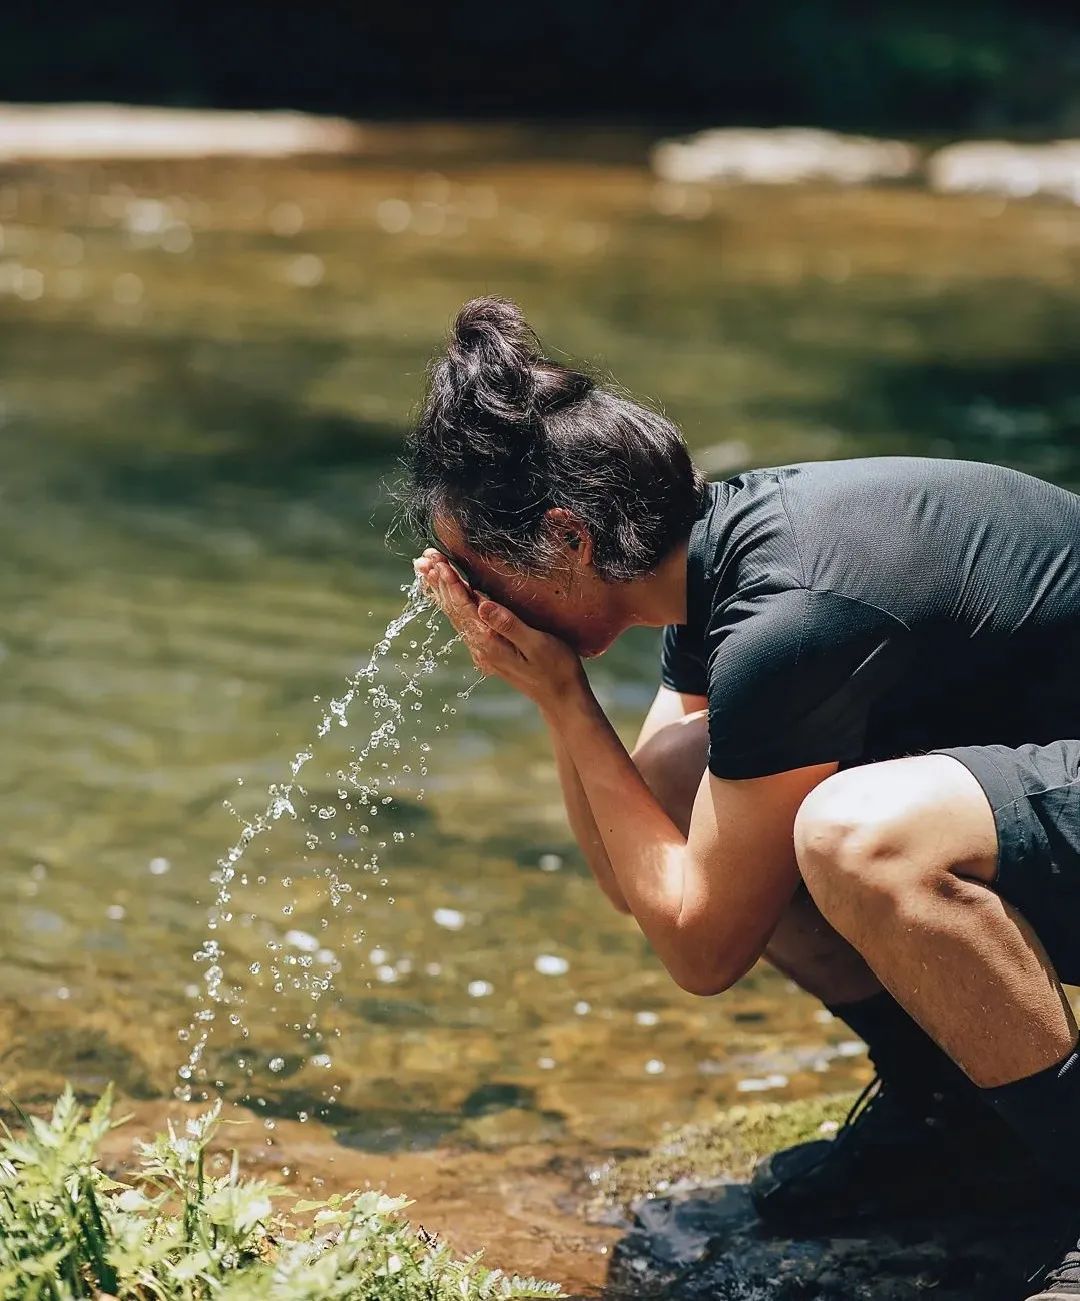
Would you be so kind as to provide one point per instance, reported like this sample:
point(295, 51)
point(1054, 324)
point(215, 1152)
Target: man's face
point(576, 605)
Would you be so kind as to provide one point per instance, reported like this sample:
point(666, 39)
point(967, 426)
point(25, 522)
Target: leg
point(891, 1159)
point(804, 946)
point(900, 856)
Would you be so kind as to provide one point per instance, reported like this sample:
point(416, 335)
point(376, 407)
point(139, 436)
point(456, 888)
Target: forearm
point(583, 824)
point(646, 853)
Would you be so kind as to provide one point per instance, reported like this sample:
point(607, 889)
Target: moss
point(725, 1147)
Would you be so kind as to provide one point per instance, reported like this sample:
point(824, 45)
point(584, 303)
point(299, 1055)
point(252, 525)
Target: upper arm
point(743, 870)
point(683, 680)
point(668, 707)
point(792, 676)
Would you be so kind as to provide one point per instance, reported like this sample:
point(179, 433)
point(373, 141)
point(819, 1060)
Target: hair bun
point(498, 371)
point(486, 323)
point(490, 357)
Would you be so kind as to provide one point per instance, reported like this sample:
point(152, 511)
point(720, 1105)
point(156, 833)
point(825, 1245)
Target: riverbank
point(692, 1233)
point(674, 1223)
point(518, 1203)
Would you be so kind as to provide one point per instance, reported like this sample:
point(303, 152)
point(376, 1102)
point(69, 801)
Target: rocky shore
point(692, 1234)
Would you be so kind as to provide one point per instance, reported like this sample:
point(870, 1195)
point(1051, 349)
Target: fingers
point(456, 599)
point(488, 640)
point(507, 625)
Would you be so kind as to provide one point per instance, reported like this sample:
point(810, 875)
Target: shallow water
point(205, 374)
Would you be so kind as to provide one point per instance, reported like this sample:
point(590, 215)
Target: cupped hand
point(539, 665)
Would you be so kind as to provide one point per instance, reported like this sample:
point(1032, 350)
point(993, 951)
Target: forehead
point(448, 539)
point(492, 573)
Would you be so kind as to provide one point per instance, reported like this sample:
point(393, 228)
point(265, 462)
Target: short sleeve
point(792, 678)
point(682, 660)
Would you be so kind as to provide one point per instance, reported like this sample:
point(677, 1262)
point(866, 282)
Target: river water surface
point(205, 375)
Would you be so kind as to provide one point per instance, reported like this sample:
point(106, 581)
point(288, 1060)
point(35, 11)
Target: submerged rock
point(782, 156)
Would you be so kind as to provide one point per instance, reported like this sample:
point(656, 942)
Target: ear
point(572, 533)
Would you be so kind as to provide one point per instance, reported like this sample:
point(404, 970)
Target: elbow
point(702, 984)
point(715, 974)
point(708, 983)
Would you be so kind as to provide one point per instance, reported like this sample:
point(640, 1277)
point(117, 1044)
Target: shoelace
point(858, 1107)
point(875, 1098)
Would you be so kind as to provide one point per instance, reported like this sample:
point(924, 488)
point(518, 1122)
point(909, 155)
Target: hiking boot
point(898, 1151)
point(1060, 1281)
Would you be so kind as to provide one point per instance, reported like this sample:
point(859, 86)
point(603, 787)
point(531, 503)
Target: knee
point(852, 841)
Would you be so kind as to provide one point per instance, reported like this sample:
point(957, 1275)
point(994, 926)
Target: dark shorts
point(1034, 791)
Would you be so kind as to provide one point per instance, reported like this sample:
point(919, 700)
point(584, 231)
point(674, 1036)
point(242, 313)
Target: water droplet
point(449, 918)
point(549, 964)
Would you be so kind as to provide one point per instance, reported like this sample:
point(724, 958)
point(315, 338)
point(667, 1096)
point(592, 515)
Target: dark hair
point(505, 433)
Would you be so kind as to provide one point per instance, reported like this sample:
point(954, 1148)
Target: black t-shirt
point(864, 609)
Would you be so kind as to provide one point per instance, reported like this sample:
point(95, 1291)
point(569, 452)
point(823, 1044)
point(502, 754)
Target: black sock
point(904, 1054)
point(1044, 1109)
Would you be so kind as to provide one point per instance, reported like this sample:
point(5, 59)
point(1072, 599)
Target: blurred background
point(213, 334)
point(907, 66)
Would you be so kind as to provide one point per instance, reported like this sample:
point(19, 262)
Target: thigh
point(913, 817)
point(1033, 792)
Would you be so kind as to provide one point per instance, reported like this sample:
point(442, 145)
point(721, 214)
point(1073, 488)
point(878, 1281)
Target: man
point(863, 763)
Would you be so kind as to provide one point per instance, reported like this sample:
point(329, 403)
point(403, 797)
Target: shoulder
point(791, 674)
point(786, 624)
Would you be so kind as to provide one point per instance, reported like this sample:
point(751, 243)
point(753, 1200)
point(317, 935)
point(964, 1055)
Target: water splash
point(365, 789)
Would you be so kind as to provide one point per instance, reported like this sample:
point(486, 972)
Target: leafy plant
point(175, 1233)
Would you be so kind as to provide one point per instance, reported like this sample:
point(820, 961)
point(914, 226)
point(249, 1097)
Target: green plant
point(175, 1233)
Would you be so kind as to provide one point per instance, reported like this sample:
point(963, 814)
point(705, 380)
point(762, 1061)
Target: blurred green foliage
point(998, 66)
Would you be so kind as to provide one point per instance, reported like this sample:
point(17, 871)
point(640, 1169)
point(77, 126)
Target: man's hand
point(541, 666)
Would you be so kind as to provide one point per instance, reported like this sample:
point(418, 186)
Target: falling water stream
point(361, 792)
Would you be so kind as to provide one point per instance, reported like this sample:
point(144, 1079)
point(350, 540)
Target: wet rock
point(82, 1056)
point(386, 1130)
point(999, 167)
point(393, 1011)
point(707, 1243)
point(512, 1126)
point(497, 1095)
point(783, 156)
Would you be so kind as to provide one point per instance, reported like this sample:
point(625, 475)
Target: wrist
point(568, 698)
